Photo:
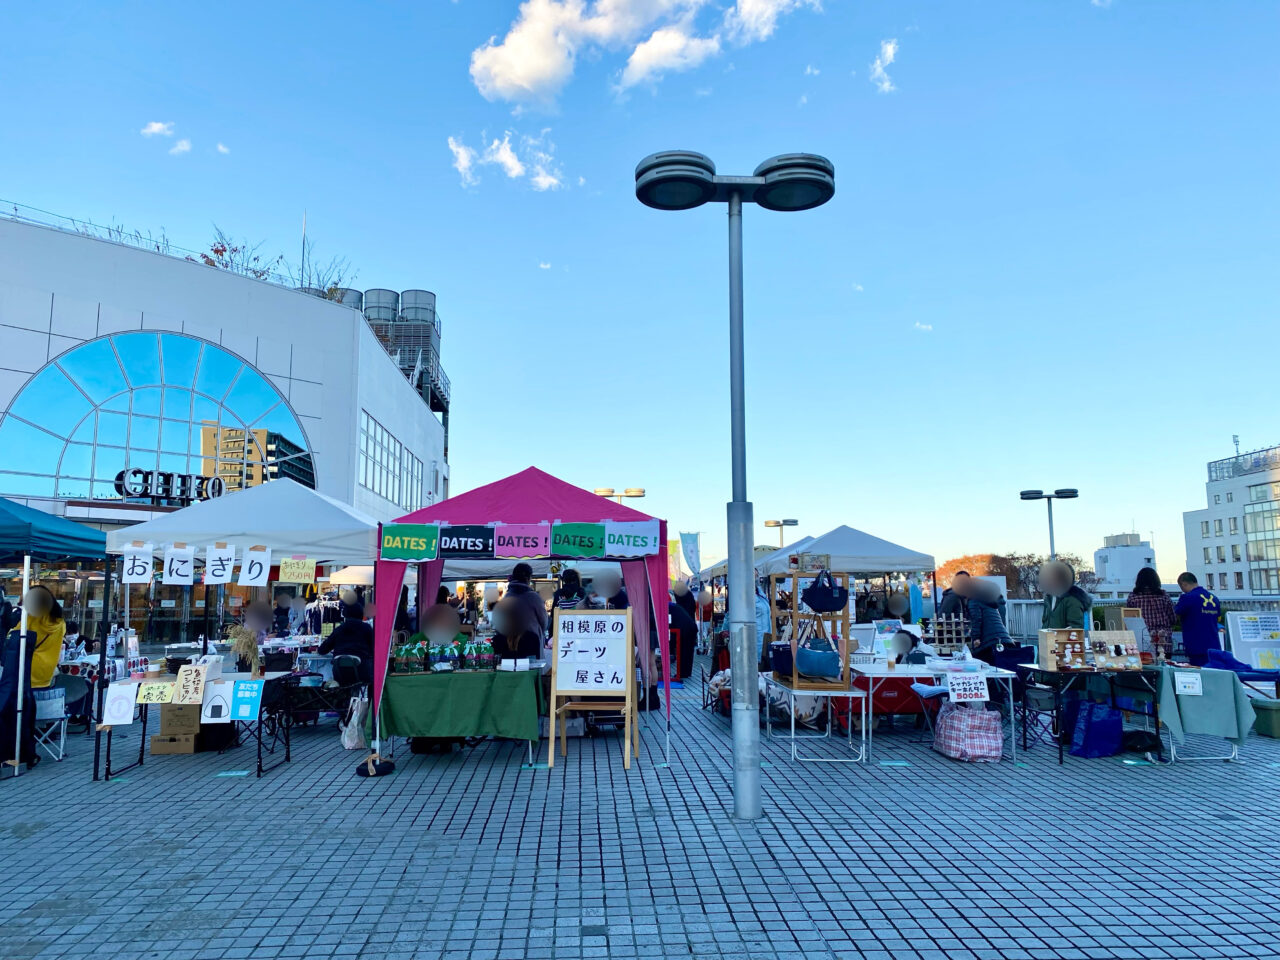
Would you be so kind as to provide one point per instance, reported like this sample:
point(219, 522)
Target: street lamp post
point(780, 524)
point(1066, 493)
point(681, 180)
point(610, 492)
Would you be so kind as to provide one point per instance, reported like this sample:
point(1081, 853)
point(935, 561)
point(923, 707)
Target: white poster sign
point(255, 567)
point(179, 565)
point(216, 707)
point(967, 687)
point(1255, 638)
point(219, 561)
point(137, 563)
point(1188, 683)
point(591, 653)
point(117, 707)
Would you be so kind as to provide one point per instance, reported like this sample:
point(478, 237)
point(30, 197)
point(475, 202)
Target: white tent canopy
point(283, 515)
point(722, 568)
point(852, 551)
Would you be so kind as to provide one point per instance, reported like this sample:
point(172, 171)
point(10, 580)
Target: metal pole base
point(743, 660)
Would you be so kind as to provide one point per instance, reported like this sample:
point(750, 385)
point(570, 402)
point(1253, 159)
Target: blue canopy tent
point(29, 534)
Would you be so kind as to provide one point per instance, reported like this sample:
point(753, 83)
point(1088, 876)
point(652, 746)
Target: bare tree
point(328, 277)
point(238, 256)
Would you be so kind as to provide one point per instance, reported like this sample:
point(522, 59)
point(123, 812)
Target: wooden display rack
point(816, 625)
point(950, 635)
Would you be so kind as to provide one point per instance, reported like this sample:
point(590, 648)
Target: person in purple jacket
point(1199, 610)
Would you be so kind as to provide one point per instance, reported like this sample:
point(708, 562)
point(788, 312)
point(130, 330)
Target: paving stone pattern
point(471, 856)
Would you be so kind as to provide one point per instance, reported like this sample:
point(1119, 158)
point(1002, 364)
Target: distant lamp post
point(681, 180)
point(610, 492)
point(780, 524)
point(1066, 493)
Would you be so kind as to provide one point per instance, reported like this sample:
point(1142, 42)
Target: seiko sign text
point(160, 486)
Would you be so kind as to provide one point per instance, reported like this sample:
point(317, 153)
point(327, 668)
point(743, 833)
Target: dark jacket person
point(352, 638)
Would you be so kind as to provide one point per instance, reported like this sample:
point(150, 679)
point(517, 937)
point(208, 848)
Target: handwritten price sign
point(967, 687)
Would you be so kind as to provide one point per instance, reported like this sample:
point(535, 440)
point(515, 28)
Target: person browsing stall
point(352, 638)
point(521, 621)
point(45, 620)
point(1199, 610)
point(1157, 611)
point(1065, 604)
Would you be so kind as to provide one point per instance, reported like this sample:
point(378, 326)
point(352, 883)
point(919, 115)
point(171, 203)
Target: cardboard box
point(163, 746)
point(1062, 650)
point(178, 719)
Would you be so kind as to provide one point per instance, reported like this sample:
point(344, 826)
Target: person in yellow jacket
point(44, 618)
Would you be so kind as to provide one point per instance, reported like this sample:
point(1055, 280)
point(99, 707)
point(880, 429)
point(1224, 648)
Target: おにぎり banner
point(409, 541)
point(520, 541)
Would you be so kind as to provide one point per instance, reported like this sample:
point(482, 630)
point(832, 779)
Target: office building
point(1233, 544)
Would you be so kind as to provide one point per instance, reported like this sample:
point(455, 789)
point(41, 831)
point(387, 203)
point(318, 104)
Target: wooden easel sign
point(593, 655)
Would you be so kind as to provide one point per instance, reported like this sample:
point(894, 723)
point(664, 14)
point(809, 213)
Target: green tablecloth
point(494, 704)
point(1223, 710)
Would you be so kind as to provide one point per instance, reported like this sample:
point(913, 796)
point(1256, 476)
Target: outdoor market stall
point(530, 516)
point(34, 535)
point(278, 524)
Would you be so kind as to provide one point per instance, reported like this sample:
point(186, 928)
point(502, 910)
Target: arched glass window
point(156, 402)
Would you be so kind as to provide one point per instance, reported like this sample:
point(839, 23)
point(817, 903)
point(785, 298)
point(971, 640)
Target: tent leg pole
point(102, 664)
point(22, 664)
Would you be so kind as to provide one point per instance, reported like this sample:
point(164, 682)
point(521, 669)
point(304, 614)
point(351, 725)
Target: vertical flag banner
point(673, 561)
point(180, 564)
point(219, 562)
point(520, 541)
point(255, 567)
point(631, 539)
point(137, 563)
point(691, 544)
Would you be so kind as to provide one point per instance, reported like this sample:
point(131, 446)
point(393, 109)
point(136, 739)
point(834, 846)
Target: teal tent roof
point(27, 531)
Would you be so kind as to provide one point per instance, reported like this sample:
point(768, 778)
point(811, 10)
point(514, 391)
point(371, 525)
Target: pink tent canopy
point(530, 496)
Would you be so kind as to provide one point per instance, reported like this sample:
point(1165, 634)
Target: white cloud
point(702, 92)
point(500, 152)
point(667, 49)
point(464, 161)
point(182, 146)
point(1101, 3)
point(223, 148)
point(888, 53)
point(802, 101)
point(157, 129)
point(811, 71)
point(582, 181)
point(858, 287)
point(517, 156)
point(926, 327)
point(543, 265)
point(535, 59)
point(751, 20)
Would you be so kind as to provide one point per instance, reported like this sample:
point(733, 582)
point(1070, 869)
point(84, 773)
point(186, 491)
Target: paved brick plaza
point(472, 857)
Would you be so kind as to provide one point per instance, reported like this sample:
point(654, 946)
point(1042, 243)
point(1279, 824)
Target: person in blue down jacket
point(985, 610)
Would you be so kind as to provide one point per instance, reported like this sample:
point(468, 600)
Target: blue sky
point(1050, 260)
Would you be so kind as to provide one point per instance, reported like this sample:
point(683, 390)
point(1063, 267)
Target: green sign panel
point(409, 541)
point(577, 540)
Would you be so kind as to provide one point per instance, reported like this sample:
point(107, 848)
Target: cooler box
point(1267, 713)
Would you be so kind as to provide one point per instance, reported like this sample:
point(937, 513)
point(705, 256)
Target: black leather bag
point(823, 596)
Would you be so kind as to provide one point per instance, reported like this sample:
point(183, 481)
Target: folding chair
point(77, 703)
point(51, 721)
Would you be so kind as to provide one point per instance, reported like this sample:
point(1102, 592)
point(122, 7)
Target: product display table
point(878, 672)
point(1144, 683)
point(462, 704)
point(1214, 705)
point(791, 693)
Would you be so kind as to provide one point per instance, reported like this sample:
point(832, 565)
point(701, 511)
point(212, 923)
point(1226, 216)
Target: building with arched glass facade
point(132, 382)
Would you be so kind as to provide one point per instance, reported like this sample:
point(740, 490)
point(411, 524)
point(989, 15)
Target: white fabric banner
point(631, 539)
point(179, 565)
point(137, 563)
point(219, 563)
point(691, 547)
point(255, 566)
